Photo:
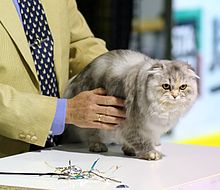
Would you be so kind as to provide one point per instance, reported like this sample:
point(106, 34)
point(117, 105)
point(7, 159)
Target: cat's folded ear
point(192, 73)
point(156, 68)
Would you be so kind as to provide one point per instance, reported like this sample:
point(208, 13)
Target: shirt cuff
point(58, 124)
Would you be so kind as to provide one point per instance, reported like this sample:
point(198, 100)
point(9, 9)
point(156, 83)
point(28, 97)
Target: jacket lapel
point(11, 21)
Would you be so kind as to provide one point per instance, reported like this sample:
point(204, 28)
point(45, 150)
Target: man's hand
point(93, 109)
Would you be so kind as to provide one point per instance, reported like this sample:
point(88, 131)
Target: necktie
point(41, 45)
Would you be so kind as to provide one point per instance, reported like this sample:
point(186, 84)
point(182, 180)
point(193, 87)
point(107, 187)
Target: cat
point(156, 92)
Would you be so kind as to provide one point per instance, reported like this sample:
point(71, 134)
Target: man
point(27, 113)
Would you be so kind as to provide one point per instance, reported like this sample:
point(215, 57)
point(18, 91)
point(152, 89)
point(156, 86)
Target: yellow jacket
point(25, 115)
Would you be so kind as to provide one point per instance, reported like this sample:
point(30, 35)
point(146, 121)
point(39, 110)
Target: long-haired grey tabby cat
point(156, 92)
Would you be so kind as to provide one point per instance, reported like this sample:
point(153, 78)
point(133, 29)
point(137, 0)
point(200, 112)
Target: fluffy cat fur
point(156, 92)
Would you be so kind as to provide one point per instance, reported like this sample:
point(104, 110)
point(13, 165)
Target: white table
point(185, 167)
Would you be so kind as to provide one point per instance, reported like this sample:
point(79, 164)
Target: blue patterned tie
point(41, 45)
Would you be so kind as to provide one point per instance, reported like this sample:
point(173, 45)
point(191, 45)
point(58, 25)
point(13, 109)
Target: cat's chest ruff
point(163, 113)
point(162, 119)
point(167, 115)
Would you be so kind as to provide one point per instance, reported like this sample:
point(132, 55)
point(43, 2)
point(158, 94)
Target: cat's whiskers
point(168, 104)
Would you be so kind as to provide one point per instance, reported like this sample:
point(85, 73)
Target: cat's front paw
point(97, 147)
point(128, 151)
point(150, 155)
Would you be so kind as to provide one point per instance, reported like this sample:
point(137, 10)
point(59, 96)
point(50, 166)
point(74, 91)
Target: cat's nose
point(174, 94)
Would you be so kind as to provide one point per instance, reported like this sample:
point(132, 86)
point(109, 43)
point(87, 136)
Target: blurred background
point(187, 30)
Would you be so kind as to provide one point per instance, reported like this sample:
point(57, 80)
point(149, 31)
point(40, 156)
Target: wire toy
point(75, 172)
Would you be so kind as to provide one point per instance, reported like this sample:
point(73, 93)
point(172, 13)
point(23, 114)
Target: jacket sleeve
point(24, 116)
point(84, 46)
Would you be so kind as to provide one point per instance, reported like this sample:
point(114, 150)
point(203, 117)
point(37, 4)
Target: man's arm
point(84, 46)
point(24, 116)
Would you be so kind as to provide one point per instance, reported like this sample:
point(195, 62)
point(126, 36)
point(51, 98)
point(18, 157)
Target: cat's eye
point(183, 86)
point(166, 86)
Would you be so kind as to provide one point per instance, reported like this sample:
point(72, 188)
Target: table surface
point(184, 167)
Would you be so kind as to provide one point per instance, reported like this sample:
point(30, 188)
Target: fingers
point(111, 111)
point(108, 119)
point(110, 101)
point(98, 125)
point(93, 109)
point(107, 100)
point(99, 91)
point(105, 126)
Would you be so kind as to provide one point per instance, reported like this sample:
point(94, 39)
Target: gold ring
point(99, 117)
